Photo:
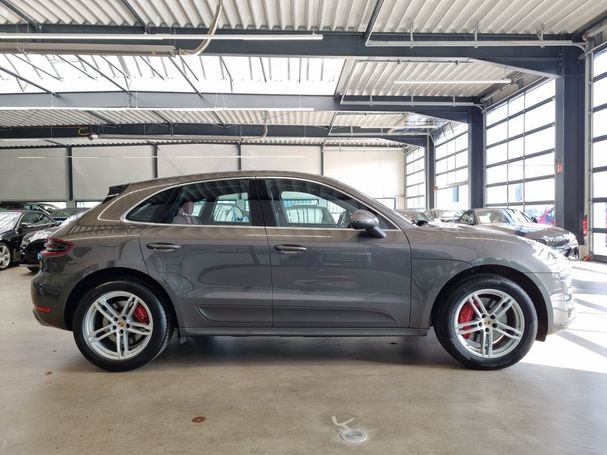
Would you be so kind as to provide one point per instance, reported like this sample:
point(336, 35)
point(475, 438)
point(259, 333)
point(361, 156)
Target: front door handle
point(290, 249)
point(163, 246)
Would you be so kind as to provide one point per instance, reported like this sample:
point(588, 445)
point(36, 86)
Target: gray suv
point(289, 254)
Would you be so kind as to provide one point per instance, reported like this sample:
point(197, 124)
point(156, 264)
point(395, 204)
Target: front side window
point(298, 203)
point(223, 202)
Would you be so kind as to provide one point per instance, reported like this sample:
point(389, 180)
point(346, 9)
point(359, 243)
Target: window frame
point(255, 211)
point(270, 216)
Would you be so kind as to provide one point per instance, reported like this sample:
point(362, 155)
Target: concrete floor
point(278, 395)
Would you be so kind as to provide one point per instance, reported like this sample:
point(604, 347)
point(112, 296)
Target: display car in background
point(33, 243)
point(14, 225)
point(40, 207)
point(63, 214)
point(127, 273)
point(443, 215)
point(512, 221)
point(414, 216)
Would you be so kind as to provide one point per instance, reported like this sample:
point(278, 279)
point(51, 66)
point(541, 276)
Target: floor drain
point(355, 436)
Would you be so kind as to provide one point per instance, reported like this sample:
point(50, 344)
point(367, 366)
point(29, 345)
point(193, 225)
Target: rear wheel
point(487, 322)
point(5, 256)
point(121, 325)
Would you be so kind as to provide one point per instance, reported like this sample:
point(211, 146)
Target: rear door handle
point(290, 248)
point(163, 246)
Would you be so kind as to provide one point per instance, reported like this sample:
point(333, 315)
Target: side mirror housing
point(363, 219)
point(534, 219)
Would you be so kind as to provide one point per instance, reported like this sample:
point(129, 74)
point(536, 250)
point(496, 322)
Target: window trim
point(270, 217)
point(253, 200)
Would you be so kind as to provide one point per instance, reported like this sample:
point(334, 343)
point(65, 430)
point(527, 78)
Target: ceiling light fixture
point(159, 37)
point(454, 81)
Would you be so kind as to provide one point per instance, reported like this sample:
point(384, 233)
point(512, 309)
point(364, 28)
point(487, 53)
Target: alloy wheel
point(489, 323)
point(118, 325)
point(5, 256)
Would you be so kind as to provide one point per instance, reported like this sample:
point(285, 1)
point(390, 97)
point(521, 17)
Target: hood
point(529, 230)
point(38, 235)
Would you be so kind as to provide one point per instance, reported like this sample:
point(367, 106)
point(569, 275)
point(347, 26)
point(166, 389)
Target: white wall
point(378, 173)
point(96, 168)
point(33, 174)
point(281, 158)
point(183, 159)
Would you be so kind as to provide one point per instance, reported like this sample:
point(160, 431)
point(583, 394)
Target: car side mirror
point(534, 219)
point(363, 219)
point(420, 222)
point(25, 225)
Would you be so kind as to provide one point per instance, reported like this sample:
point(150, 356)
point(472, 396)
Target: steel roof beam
point(536, 58)
point(24, 79)
point(448, 108)
point(211, 131)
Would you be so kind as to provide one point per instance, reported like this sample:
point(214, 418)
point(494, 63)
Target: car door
point(326, 274)
point(211, 251)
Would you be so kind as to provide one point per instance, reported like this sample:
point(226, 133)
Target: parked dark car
point(443, 215)
point(33, 243)
point(63, 214)
point(414, 216)
point(44, 208)
point(133, 269)
point(512, 221)
point(14, 225)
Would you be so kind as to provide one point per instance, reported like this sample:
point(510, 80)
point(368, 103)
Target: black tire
point(160, 334)
point(33, 269)
point(456, 345)
point(10, 256)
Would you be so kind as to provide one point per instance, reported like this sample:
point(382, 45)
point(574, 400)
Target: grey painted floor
point(277, 396)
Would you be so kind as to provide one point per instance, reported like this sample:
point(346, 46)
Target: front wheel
point(5, 256)
point(121, 325)
point(487, 322)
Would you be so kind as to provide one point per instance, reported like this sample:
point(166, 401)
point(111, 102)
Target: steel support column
point(476, 159)
point(429, 160)
point(570, 100)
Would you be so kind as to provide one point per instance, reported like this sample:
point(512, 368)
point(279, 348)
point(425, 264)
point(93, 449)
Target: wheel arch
point(523, 280)
point(109, 274)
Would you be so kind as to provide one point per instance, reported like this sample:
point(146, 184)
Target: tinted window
point(34, 219)
point(298, 203)
point(222, 202)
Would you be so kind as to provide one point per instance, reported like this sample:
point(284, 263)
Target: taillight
point(56, 247)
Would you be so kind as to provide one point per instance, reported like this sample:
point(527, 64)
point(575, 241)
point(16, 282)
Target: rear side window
point(224, 202)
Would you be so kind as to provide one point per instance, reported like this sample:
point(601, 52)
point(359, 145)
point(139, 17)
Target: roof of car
point(21, 211)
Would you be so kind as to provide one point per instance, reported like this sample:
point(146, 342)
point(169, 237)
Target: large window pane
point(599, 64)
point(516, 170)
point(599, 215)
point(497, 114)
point(516, 148)
point(497, 133)
point(599, 184)
point(539, 166)
point(497, 194)
point(539, 116)
point(497, 153)
point(540, 93)
point(540, 190)
point(497, 174)
point(599, 92)
point(516, 104)
point(599, 154)
point(516, 125)
point(539, 141)
point(599, 123)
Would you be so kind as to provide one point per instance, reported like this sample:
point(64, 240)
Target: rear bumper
point(50, 296)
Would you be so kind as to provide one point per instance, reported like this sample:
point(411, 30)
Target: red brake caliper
point(142, 316)
point(465, 315)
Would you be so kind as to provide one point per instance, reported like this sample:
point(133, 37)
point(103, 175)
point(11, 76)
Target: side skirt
point(300, 332)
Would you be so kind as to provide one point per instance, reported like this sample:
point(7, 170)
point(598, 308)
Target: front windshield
point(507, 216)
point(8, 220)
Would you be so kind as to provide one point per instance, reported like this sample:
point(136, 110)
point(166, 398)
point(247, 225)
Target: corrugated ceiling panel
point(46, 117)
point(128, 116)
point(97, 12)
point(491, 16)
point(425, 16)
point(378, 78)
